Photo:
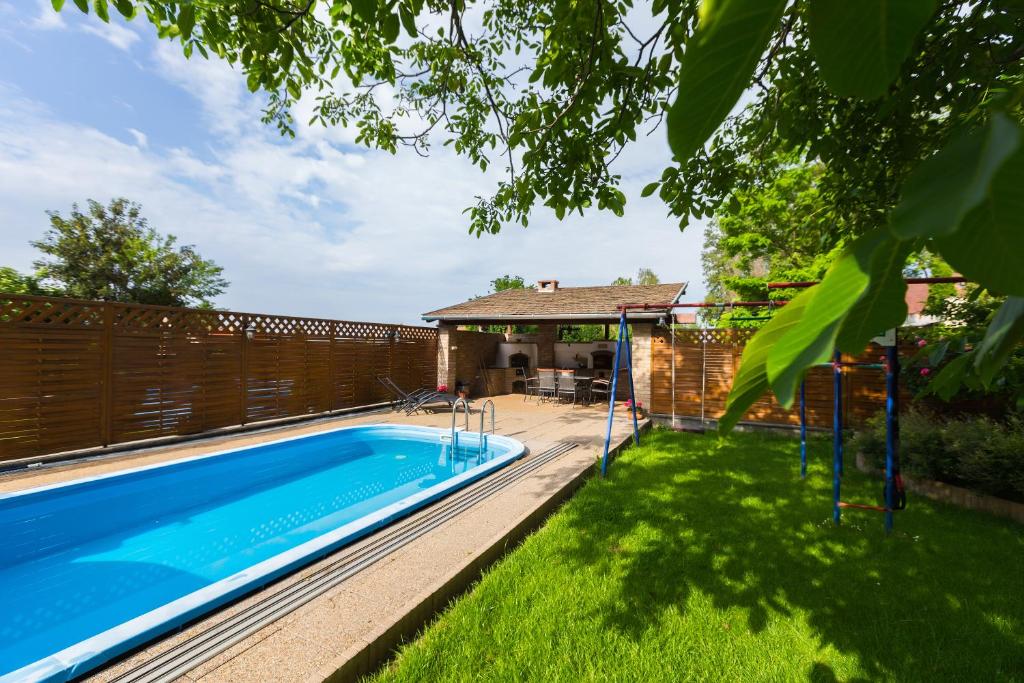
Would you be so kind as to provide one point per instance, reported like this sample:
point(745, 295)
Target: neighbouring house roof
point(563, 304)
point(916, 297)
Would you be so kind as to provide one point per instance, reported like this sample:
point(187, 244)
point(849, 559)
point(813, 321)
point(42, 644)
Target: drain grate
point(187, 655)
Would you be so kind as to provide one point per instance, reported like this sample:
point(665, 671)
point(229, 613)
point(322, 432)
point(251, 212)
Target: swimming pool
point(94, 567)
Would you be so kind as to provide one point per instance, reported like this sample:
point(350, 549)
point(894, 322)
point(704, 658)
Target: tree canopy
point(911, 110)
point(503, 282)
point(110, 253)
point(644, 276)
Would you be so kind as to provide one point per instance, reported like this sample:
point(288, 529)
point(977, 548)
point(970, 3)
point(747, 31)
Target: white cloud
point(226, 103)
point(140, 138)
point(314, 226)
point(113, 32)
point(47, 18)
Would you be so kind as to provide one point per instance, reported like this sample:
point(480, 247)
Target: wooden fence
point(706, 361)
point(78, 374)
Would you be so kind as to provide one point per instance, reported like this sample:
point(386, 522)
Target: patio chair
point(567, 385)
point(403, 399)
point(433, 401)
point(600, 388)
point(530, 386)
point(547, 385)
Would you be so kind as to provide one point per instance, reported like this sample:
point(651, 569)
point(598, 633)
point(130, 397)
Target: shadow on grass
point(731, 519)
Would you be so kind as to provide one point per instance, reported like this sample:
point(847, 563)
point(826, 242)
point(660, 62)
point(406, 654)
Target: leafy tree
point(13, 282)
point(503, 282)
point(110, 253)
point(500, 284)
point(912, 108)
point(644, 276)
point(778, 231)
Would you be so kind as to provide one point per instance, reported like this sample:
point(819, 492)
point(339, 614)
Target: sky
point(315, 225)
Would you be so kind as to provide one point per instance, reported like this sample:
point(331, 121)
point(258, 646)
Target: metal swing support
point(892, 427)
point(622, 336)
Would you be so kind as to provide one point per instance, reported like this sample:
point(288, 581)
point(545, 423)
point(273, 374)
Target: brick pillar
point(641, 349)
point(547, 335)
point(446, 356)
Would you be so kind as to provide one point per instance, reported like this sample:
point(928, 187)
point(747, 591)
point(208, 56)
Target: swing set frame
point(893, 492)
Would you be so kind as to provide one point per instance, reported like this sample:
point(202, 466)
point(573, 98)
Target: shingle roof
point(566, 303)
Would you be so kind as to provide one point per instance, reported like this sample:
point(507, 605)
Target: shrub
point(973, 451)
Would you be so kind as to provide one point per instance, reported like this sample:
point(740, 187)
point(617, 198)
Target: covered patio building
point(482, 341)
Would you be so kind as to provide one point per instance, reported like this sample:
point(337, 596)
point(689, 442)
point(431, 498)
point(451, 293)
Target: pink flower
point(443, 388)
point(921, 343)
point(925, 372)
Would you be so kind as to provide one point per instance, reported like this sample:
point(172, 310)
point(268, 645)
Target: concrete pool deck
point(352, 627)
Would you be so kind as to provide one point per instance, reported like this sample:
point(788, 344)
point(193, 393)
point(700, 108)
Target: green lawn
point(704, 558)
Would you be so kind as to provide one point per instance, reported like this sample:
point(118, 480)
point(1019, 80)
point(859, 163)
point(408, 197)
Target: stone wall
point(460, 354)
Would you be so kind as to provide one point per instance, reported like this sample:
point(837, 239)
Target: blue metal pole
point(837, 433)
point(891, 430)
point(629, 369)
point(803, 430)
point(611, 397)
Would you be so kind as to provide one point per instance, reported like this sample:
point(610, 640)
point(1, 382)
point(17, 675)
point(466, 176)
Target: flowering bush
point(442, 388)
point(629, 404)
point(972, 451)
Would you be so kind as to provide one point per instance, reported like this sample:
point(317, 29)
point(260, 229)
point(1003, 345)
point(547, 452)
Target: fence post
point(330, 367)
point(243, 370)
point(107, 400)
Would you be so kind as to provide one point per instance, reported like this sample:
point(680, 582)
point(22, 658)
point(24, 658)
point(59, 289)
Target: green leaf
point(364, 9)
point(391, 28)
point(408, 21)
point(717, 67)
point(989, 246)
point(1002, 336)
point(813, 339)
point(101, 10)
point(947, 185)
point(125, 8)
point(82, 5)
point(950, 378)
point(649, 189)
point(860, 44)
point(58, 5)
point(751, 381)
point(883, 305)
point(186, 21)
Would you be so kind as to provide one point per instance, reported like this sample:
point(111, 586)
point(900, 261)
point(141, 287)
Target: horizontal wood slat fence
point(79, 374)
point(707, 362)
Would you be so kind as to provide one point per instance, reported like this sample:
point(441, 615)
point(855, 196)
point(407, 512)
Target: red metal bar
point(861, 506)
point(701, 304)
point(953, 279)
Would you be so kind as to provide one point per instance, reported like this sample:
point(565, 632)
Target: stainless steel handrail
point(455, 409)
point(483, 410)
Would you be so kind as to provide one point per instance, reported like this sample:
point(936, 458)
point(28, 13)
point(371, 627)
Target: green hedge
point(974, 452)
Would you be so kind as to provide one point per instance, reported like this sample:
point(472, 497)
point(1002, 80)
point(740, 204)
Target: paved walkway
point(351, 628)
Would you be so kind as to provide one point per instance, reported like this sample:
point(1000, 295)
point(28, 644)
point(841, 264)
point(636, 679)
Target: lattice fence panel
point(707, 362)
point(77, 374)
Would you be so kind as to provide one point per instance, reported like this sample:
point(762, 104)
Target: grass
point(705, 558)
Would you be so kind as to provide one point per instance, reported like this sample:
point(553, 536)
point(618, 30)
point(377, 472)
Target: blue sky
point(311, 226)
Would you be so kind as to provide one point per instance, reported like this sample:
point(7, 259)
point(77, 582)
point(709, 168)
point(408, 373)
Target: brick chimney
point(547, 285)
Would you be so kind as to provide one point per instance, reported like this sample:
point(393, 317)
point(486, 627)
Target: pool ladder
point(483, 411)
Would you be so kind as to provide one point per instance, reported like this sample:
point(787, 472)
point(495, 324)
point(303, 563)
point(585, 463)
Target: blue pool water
point(94, 567)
